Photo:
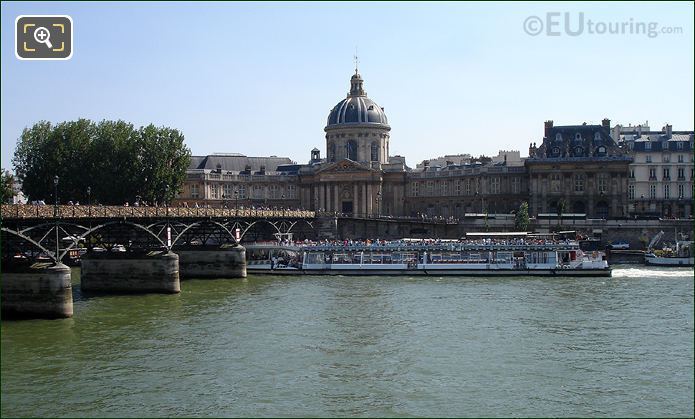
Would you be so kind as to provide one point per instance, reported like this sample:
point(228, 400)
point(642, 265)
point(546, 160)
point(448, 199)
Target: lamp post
point(55, 215)
point(282, 199)
point(224, 200)
point(236, 201)
point(89, 200)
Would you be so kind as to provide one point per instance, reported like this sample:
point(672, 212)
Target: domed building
point(357, 128)
point(357, 177)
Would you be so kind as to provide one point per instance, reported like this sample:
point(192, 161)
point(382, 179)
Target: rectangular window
point(555, 184)
point(666, 158)
point(602, 183)
point(579, 183)
point(291, 191)
point(242, 191)
point(430, 188)
point(648, 159)
point(632, 173)
point(681, 191)
point(516, 185)
point(273, 192)
point(457, 186)
point(652, 191)
point(445, 188)
point(631, 191)
point(667, 173)
point(215, 191)
point(652, 174)
point(195, 191)
point(415, 188)
point(681, 173)
point(228, 191)
point(667, 191)
point(495, 184)
point(680, 156)
point(468, 186)
point(648, 146)
point(258, 192)
point(680, 145)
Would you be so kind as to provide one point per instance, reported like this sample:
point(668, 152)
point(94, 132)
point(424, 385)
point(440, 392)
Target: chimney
point(426, 165)
point(449, 163)
point(548, 127)
point(606, 124)
point(669, 131)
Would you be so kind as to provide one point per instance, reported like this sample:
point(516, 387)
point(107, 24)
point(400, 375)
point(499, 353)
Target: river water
point(364, 346)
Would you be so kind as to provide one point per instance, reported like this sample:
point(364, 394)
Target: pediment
point(345, 166)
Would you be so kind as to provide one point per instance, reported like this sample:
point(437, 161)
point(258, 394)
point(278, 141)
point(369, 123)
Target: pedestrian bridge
point(40, 230)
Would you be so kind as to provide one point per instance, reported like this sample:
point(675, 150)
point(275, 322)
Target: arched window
point(558, 137)
point(352, 150)
point(375, 151)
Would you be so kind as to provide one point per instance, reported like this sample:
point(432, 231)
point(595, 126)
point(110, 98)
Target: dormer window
point(578, 151)
point(556, 151)
point(577, 137)
point(597, 136)
point(601, 151)
point(648, 145)
point(558, 137)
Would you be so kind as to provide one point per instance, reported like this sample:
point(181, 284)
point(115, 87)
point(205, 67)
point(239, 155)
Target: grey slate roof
point(237, 163)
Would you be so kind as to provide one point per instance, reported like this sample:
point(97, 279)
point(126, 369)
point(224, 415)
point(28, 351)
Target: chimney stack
point(669, 131)
point(548, 127)
point(606, 124)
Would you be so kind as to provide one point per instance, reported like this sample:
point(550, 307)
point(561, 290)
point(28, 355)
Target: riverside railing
point(10, 211)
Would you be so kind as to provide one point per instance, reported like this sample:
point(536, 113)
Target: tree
point(561, 206)
point(521, 219)
point(7, 191)
point(112, 158)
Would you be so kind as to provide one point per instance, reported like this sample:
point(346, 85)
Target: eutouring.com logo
point(576, 24)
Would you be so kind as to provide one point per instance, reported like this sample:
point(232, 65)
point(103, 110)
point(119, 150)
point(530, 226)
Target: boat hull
point(602, 272)
point(671, 261)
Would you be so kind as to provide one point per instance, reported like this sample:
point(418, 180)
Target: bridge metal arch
point(119, 222)
point(30, 240)
point(250, 225)
point(52, 224)
point(199, 223)
point(299, 221)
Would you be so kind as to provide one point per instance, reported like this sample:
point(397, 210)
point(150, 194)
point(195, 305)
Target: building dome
point(357, 108)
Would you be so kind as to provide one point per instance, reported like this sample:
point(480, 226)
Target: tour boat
point(478, 258)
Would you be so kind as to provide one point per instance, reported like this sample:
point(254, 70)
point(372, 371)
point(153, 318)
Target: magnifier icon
point(43, 36)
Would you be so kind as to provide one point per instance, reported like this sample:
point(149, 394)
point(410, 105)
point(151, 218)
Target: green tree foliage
point(561, 207)
point(6, 187)
point(521, 220)
point(113, 158)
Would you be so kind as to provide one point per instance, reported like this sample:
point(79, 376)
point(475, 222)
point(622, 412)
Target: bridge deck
point(18, 211)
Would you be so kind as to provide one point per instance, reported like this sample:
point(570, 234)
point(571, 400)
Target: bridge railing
point(10, 211)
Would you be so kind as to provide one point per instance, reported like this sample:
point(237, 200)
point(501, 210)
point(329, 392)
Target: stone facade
point(580, 168)
point(660, 182)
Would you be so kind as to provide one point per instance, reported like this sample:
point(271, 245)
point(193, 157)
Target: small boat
point(679, 255)
point(486, 257)
point(682, 255)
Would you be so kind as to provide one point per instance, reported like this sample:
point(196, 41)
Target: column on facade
point(355, 192)
point(322, 201)
point(370, 198)
point(336, 197)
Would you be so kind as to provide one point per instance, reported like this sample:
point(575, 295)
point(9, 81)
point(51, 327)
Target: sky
point(260, 78)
